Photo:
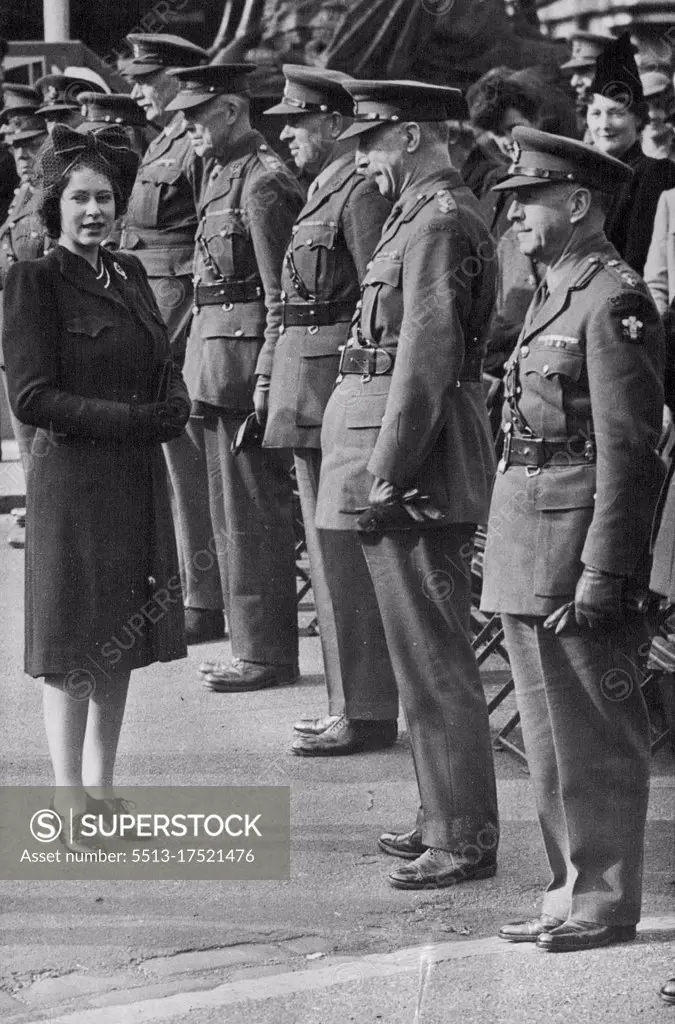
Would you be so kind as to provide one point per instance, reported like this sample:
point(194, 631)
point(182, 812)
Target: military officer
point(333, 239)
point(159, 228)
point(23, 235)
point(246, 211)
point(568, 540)
point(100, 110)
point(407, 461)
point(61, 98)
point(586, 48)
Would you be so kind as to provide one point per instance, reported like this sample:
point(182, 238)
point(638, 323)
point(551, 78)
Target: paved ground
point(335, 943)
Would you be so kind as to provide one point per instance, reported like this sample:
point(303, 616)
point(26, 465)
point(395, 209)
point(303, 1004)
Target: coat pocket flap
point(366, 410)
point(244, 320)
point(87, 324)
point(315, 234)
point(384, 272)
point(550, 362)
point(565, 488)
point(316, 346)
point(161, 174)
point(224, 228)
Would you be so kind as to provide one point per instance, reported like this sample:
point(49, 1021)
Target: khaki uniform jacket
point(161, 218)
point(23, 235)
point(247, 209)
point(588, 366)
point(426, 297)
point(333, 239)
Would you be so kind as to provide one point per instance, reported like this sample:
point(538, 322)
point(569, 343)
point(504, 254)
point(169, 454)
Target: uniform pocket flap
point(384, 272)
point(550, 362)
point(161, 174)
point(87, 324)
point(217, 228)
point(565, 488)
point(366, 410)
point(244, 320)
point(315, 235)
point(315, 346)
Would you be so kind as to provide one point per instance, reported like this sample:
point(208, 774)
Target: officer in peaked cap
point(159, 227)
point(332, 241)
point(586, 48)
point(22, 235)
point(408, 464)
point(246, 211)
point(60, 98)
point(100, 110)
point(568, 539)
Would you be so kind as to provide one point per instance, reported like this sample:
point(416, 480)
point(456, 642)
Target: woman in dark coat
point(88, 363)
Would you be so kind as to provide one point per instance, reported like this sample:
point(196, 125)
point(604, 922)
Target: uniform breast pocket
point(564, 501)
point(229, 246)
point(550, 380)
point(154, 184)
point(314, 248)
point(383, 278)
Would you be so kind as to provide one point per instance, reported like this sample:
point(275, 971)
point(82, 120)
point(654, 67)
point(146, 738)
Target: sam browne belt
point(538, 452)
point(228, 292)
point(317, 314)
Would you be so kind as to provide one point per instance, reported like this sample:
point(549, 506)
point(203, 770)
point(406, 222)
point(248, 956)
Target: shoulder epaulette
point(623, 271)
point(592, 266)
point(268, 159)
point(422, 199)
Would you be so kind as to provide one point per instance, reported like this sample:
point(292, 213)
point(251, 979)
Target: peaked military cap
point(202, 84)
point(111, 108)
point(654, 83)
point(18, 99)
point(155, 51)
point(379, 102)
point(616, 72)
point(21, 127)
point(543, 159)
point(586, 48)
point(312, 90)
point(60, 94)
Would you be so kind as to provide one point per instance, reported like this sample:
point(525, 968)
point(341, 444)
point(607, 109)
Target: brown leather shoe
point(438, 869)
point(203, 625)
point(667, 991)
point(347, 736)
point(575, 935)
point(241, 676)
point(528, 931)
point(314, 726)
point(407, 845)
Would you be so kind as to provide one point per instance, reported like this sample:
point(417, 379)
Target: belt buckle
point(531, 471)
point(388, 365)
point(506, 452)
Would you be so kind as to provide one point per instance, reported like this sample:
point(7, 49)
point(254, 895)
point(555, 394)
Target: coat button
point(134, 397)
point(309, 241)
point(524, 352)
point(508, 427)
point(545, 368)
point(152, 581)
point(238, 333)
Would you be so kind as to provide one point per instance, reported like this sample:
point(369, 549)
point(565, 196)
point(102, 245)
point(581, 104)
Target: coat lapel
point(343, 171)
point(84, 279)
point(164, 141)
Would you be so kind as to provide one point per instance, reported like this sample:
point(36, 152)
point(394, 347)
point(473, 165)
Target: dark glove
point(157, 422)
point(598, 598)
point(399, 513)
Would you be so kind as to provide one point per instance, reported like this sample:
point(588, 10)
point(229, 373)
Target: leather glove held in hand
point(261, 398)
point(598, 598)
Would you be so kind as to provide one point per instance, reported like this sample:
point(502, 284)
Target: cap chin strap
point(540, 172)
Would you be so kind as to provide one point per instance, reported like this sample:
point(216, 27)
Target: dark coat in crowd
point(630, 222)
point(102, 584)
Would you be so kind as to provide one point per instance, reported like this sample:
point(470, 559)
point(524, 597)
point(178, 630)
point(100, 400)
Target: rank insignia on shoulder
point(119, 270)
point(632, 329)
point(445, 201)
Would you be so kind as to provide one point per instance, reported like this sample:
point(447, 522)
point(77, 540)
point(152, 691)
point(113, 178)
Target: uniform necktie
point(538, 300)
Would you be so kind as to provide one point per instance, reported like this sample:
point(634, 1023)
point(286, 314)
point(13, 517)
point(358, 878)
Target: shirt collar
point(559, 272)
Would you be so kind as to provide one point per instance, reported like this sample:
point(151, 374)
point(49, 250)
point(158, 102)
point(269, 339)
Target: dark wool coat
point(102, 584)
point(630, 223)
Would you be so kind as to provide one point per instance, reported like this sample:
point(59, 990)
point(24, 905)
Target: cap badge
point(515, 152)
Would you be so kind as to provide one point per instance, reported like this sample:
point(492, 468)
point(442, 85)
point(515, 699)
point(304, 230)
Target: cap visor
point(181, 102)
point(137, 69)
point(34, 133)
point(576, 65)
point(521, 181)
point(284, 108)
point(361, 127)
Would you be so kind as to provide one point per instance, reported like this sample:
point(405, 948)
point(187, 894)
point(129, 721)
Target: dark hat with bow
point(107, 148)
point(616, 73)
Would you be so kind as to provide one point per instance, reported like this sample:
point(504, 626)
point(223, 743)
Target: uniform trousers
point(197, 555)
point(251, 501)
point(586, 734)
point(422, 580)
point(307, 470)
point(367, 675)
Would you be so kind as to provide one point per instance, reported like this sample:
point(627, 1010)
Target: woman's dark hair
point(50, 203)
point(543, 104)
